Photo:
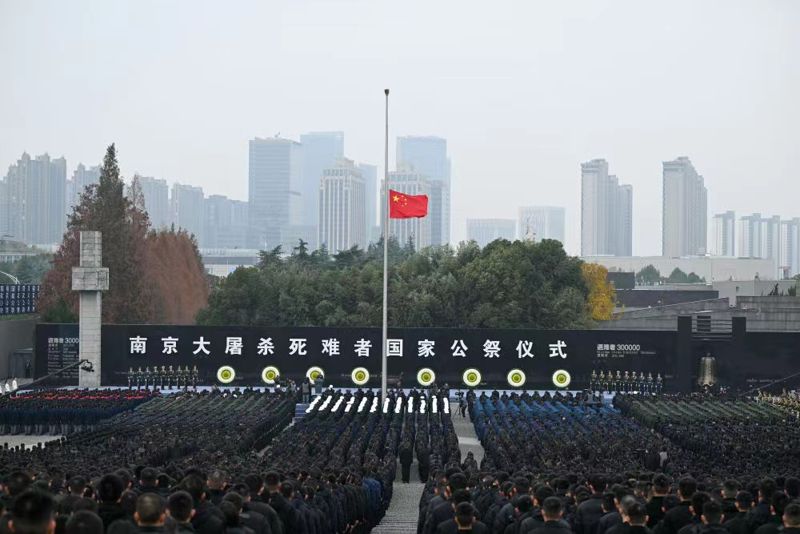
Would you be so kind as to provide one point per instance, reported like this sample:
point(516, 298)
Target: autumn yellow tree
point(601, 293)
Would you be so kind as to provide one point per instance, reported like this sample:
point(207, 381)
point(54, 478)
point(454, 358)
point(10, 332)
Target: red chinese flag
point(402, 206)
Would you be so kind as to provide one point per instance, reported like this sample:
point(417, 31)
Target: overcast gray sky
point(523, 91)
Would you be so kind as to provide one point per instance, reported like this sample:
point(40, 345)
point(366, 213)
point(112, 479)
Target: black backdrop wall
point(746, 360)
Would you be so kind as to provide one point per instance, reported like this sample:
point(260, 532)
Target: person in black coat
point(791, 519)
point(464, 522)
point(456, 493)
point(656, 502)
point(590, 511)
point(406, 459)
point(736, 523)
point(552, 512)
point(636, 519)
point(681, 515)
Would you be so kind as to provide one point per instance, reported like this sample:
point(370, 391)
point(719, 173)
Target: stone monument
point(90, 279)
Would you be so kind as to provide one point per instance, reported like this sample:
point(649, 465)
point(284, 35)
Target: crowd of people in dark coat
point(560, 465)
point(63, 411)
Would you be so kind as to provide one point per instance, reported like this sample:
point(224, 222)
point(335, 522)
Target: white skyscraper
point(156, 201)
point(342, 208)
point(484, 231)
point(418, 230)
point(724, 231)
point(427, 155)
point(790, 248)
point(541, 222)
point(370, 175)
point(761, 237)
point(606, 212)
point(187, 207)
point(684, 210)
point(274, 194)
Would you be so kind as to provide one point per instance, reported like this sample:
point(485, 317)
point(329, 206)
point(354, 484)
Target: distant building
point(224, 223)
point(274, 194)
point(684, 210)
point(760, 237)
point(321, 150)
point(187, 208)
point(34, 198)
point(342, 208)
point(370, 175)
point(712, 268)
point(724, 231)
point(606, 212)
point(484, 231)
point(416, 230)
point(541, 222)
point(81, 179)
point(427, 156)
point(156, 201)
point(790, 248)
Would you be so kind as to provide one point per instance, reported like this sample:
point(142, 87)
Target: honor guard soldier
point(641, 382)
point(659, 383)
point(170, 377)
point(147, 376)
point(139, 378)
point(626, 382)
point(593, 380)
point(162, 377)
point(194, 377)
point(618, 381)
point(130, 376)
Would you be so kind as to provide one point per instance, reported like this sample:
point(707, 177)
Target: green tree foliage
point(648, 276)
point(677, 276)
point(29, 269)
point(150, 272)
point(505, 285)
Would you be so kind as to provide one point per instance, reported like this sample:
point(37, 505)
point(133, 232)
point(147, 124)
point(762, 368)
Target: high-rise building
point(370, 175)
point(414, 230)
point(342, 208)
point(789, 265)
point(684, 210)
point(427, 156)
point(82, 178)
point(606, 212)
point(4, 210)
point(156, 201)
point(224, 223)
point(35, 198)
point(724, 229)
point(760, 237)
point(321, 150)
point(187, 208)
point(484, 231)
point(541, 222)
point(274, 194)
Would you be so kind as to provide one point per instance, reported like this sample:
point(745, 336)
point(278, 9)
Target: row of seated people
point(60, 411)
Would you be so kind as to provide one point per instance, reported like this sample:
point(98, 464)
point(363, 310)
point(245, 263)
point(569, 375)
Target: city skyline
point(568, 87)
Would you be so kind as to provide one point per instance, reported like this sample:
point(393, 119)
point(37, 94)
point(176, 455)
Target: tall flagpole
point(384, 340)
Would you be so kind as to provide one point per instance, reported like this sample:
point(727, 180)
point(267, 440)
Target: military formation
point(626, 382)
point(561, 464)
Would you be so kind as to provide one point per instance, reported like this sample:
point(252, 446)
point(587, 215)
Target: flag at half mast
point(402, 206)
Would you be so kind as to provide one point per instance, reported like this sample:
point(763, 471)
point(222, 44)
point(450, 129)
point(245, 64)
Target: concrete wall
point(14, 335)
point(763, 314)
point(733, 289)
